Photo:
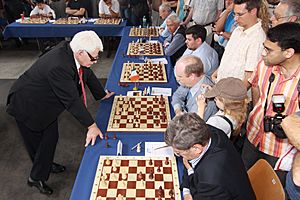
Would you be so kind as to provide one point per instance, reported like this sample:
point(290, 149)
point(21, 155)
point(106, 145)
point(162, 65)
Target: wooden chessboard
point(145, 49)
point(34, 20)
point(148, 72)
point(139, 114)
point(115, 21)
point(69, 20)
point(144, 32)
point(128, 177)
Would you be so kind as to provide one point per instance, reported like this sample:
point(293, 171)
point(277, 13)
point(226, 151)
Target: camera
point(272, 124)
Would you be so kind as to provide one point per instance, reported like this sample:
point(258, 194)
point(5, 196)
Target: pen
point(136, 145)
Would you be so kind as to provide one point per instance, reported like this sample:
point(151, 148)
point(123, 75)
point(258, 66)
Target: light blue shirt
point(208, 56)
point(181, 99)
point(166, 32)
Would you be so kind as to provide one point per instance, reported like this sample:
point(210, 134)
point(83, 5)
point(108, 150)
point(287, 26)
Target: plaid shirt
point(269, 144)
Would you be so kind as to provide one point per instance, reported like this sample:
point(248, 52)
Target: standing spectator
point(196, 45)
point(243, 50)
point(182, 7)
point(109, 8)
point(42, 10)
point(154, 5)
point(164, 12)
point(189, 74)
point(286, 11)
point(205, 13)
point(278, 73)
point(125, 12)
point(174, 44)
point(212, 167)
point(77, 8)
point(59, 7)
point(139, 10)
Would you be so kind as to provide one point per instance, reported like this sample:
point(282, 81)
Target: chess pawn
point(120, 197)
point(107, 161)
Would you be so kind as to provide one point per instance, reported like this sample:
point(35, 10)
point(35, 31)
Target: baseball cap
point(228, 88)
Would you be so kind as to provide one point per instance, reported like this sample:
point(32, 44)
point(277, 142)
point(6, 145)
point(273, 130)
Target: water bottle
point(144, 21)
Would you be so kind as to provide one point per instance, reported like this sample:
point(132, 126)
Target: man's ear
point(288, 53)
point(293, 18)
point(253, 11)
point(198, 148)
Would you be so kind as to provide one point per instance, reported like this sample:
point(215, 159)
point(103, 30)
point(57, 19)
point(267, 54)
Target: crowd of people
point(237, 63)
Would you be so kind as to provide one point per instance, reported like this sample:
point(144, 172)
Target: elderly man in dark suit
point(213, 168)
point(55, 83)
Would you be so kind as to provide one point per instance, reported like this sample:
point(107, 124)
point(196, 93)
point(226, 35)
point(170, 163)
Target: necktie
point(82, 86)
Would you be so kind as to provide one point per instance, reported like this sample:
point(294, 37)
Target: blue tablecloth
point(49, 30)
point(86, 173)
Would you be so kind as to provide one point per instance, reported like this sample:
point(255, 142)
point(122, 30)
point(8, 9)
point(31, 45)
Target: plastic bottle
point(144, 21)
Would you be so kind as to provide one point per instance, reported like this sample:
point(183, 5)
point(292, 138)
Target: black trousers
point(41, 147)
point(251, 154)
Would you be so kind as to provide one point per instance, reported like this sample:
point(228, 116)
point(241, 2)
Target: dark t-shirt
point(77, 4)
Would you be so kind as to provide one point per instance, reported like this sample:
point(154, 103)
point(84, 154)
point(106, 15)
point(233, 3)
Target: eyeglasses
point(239, 14)
point(179, 153)
point(277, 18)
point(93, 59)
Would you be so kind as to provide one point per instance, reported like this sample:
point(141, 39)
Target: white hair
point(173, 18)
point(165, 6)
point(86, 40)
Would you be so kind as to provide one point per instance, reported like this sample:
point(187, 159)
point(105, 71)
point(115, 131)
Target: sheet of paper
point(134, 93)
point(158, 149)
point(157, 91)
point(157, 60)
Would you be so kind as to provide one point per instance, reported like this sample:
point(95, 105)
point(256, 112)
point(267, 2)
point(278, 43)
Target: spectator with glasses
point(55, 83)
point(212, 167)
point(286, 11)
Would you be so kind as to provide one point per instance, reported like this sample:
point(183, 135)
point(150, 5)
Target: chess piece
point(167, 161)
point(158, 169)
point(103, 180)
point(140, 176)
point(120, 197)
point(106, 136)
point(150, 162)
point(115, 136)
point(114, 169)
point(160, 192)
point(107, 161)
point(151, 175)
point(107, 145)
point(124, 176)
point(138, 148)
point(171, 193)
point(142, 182)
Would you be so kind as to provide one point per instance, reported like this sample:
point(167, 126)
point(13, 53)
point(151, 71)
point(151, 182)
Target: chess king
point(213, 168)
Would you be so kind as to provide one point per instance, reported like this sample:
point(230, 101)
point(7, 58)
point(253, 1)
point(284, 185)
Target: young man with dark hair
point(196, 45)
point(213, 168)
point(277, 74)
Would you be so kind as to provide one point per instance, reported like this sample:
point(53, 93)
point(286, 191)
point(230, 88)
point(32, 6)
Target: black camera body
point(273, 124)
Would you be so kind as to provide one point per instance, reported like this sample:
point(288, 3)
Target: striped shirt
point(269, 144)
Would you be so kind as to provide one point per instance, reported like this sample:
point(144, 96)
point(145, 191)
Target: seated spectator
point(212, 167)
point(189, 74)
point(223, 28)
point(196, 45)
point(230, 95)
point(109, 8)
point(77, 8)
point(59, 7)
point(42, 10)
point(291, 127)
point(174, 44)
point(286, 11)
point(164, 11)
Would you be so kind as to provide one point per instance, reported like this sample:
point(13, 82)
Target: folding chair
point(265, 181)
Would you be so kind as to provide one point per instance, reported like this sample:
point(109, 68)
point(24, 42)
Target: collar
point(251, 29)
point(197, 86)
point(277, 69)
point(76, 63)
point(176, 31)
point(195, 161)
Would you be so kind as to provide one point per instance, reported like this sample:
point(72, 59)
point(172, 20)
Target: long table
point(50, 30)
point(86, 173)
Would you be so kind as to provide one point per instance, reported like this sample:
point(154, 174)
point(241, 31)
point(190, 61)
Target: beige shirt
point(205, 11)
point(242, 52)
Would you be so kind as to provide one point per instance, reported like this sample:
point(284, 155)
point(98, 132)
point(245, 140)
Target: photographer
point(274, 89)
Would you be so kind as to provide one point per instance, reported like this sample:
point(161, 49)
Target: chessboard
point(35, 20)
point(139, 114)
point(144, 32)
point(136, 178)
point(148, 72)
point(145, 49)
point(69, 20)
point(115, 21)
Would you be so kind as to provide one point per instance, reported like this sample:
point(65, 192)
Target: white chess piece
point(138, 148)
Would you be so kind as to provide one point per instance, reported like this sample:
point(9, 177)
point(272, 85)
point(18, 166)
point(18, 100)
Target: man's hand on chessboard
point(108, 94)
point(91, 136)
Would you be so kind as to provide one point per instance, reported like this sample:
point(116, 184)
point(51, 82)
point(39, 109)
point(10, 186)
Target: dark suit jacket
point(220, 174)
point(49, 87)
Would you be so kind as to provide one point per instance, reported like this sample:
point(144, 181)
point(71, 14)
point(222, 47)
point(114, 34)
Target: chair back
point(265, 181)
